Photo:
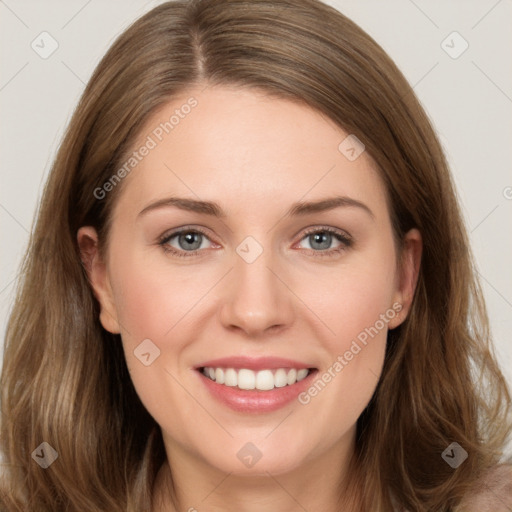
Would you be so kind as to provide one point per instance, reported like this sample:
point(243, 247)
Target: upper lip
point(254, 363)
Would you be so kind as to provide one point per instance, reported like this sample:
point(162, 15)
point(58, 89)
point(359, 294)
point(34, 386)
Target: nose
point(257, 300)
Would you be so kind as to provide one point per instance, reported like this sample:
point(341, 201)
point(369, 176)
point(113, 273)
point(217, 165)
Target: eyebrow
point(297, 209)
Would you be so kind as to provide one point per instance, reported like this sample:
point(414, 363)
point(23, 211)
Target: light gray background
point(469, 100)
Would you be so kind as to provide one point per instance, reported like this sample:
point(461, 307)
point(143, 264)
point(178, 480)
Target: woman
point(323, 346)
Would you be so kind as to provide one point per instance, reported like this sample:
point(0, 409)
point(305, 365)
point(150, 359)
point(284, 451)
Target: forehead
point(248, 151)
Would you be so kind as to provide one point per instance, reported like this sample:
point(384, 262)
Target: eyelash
point(342, 237)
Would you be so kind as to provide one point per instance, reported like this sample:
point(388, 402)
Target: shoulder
point(492, 493)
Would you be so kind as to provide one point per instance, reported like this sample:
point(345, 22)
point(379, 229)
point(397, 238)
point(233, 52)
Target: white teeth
point(219, 375)
point(280, 378)
point(230, 377)
point(302, 374)
point(263, 380)
point(246, 379)
point(292, 376)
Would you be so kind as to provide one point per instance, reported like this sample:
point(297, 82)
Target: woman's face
point(293, 270)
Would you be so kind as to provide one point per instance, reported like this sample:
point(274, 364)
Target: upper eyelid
point(328, 229)
point(184, 229)
point(178, 231)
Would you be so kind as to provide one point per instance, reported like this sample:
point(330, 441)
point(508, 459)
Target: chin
point(256, 458)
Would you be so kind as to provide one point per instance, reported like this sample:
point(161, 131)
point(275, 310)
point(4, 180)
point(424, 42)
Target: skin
point(255, 156)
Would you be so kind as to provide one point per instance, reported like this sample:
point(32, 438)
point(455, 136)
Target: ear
point(96, 269)
point(410, 260)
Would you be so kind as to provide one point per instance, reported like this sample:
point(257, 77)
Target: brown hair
point(64, 377)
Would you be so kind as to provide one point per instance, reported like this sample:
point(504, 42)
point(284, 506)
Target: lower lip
point(256, 401)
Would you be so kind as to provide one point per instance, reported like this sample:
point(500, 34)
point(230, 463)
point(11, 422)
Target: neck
point(320, 484)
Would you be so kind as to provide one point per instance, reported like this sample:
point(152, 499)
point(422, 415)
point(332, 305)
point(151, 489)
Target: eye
point(184, 242)
point(321, 239)
point(187, 242)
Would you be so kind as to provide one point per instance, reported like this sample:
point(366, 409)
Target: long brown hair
point(65, 380)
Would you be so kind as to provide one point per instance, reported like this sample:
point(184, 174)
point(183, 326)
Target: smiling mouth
point(261, 380)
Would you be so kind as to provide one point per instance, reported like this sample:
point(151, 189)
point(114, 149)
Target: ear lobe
point(87, 239)
point(410, 261)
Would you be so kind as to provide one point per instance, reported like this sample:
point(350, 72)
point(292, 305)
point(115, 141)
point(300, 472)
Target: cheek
point(150, 301)
point(362, 300)
point(352, 297)
point(159, 301)
point(356, 304)
point(151, 297)
point(143, 308)
point(357, 314)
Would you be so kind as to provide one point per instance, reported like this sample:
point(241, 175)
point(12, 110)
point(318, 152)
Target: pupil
point(323, 239)
point(189, 239)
